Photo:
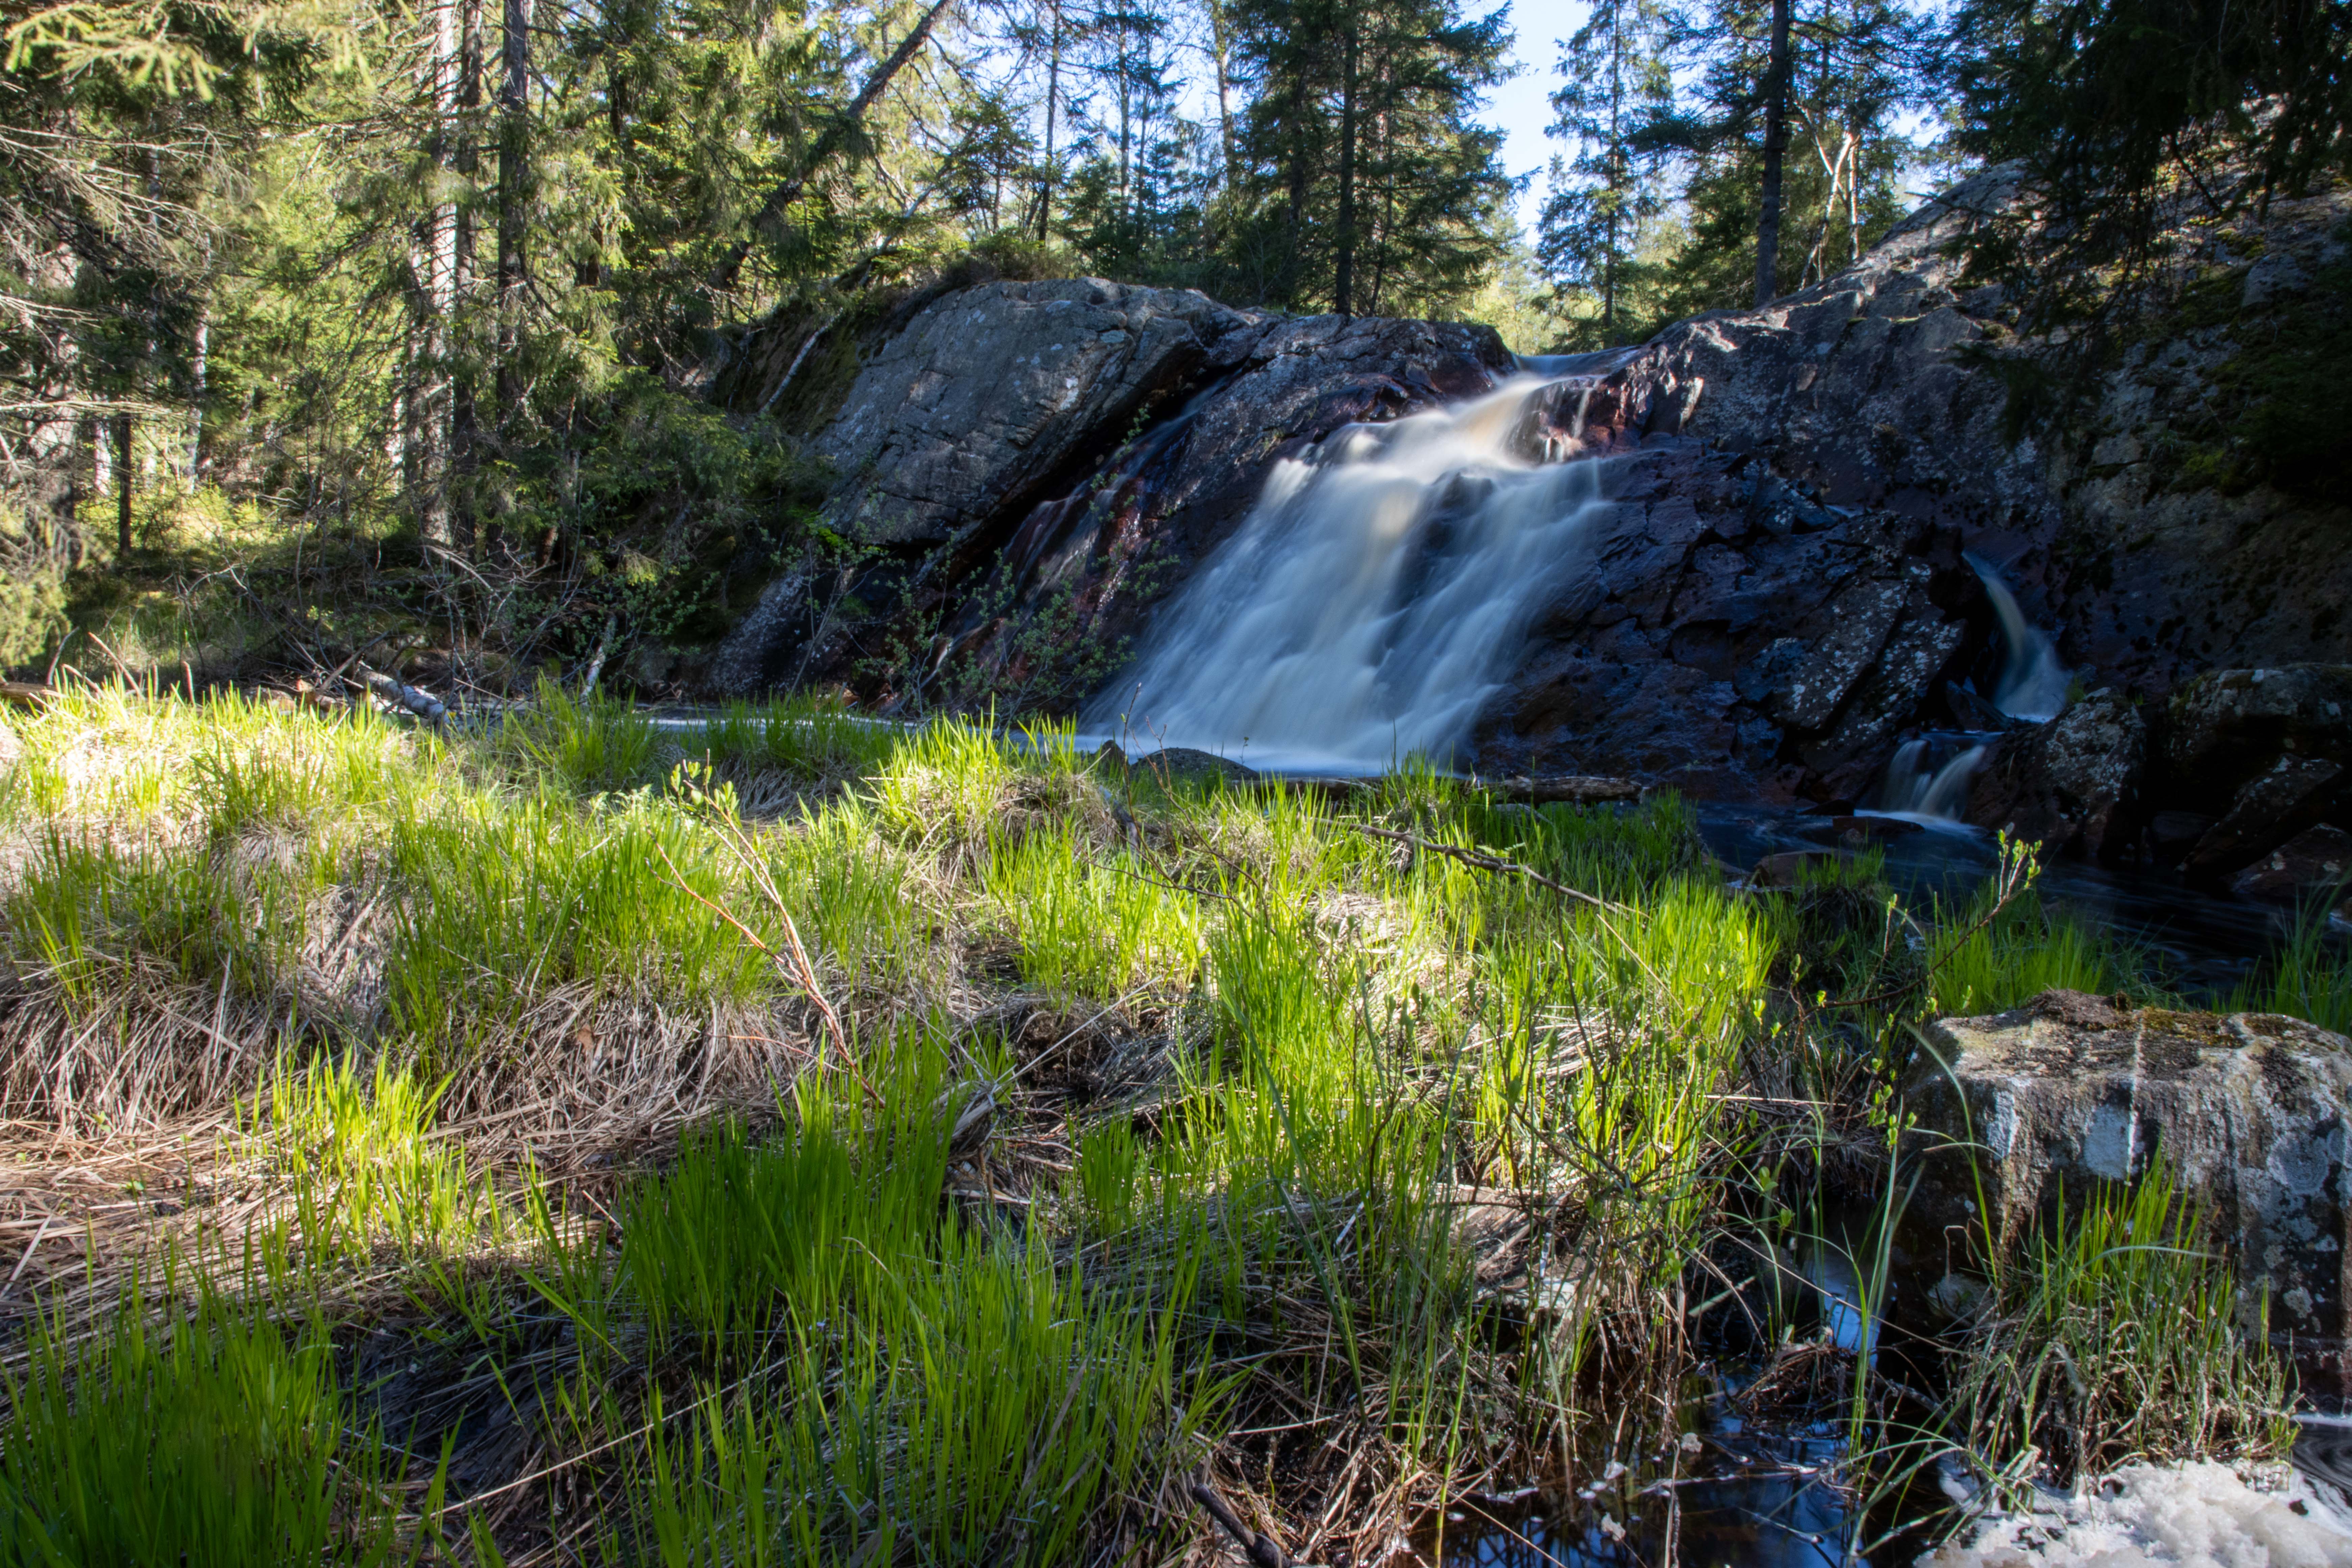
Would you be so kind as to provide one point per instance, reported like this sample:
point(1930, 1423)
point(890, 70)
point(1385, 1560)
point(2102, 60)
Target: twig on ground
point(1478, 860)
point(793, 964)
point(1260, 1548)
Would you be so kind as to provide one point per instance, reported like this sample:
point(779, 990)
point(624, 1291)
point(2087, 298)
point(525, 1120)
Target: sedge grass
point(2114, 1340)
point(213, 1438)
point(761, 1301)
point(2310, 975)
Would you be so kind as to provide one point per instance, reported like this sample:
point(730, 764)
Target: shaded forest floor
point(802, 1140)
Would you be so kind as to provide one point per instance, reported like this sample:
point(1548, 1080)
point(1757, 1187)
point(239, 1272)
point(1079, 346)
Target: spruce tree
point(1616, 75)
point(1366, 182)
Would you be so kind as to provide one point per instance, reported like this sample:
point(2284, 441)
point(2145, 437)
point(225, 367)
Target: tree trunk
point(123, 491)
point(1297, 175)
point(1776, 147)
point(198, 368)
point(54, 445)
point(1343, 283)
point(1218, 43)
point(465, 454)
point(781, 196)
point(424, 418)
point(1053, 102)
point(514, 200)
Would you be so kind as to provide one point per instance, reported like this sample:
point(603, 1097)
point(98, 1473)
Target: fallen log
point(1557, 789)
point(423, 704)
point(25, 693)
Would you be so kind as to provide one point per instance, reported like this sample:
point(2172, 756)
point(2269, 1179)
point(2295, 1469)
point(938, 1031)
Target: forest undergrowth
point(804, 1139)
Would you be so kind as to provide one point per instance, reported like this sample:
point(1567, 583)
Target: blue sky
point(1517, 107)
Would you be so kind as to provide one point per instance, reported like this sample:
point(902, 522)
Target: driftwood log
point(423, 704)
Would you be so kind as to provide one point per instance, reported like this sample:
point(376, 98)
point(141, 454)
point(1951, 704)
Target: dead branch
point(1260, 1548)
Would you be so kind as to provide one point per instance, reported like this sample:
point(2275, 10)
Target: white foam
point(2196, 1515)
point(1371, 602)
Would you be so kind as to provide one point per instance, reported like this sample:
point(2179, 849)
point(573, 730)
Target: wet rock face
point(1034, 464)
point(2070, 785)
point(1732, 635)
point(2249, 1111)
point(1029, 469)
point(2317, 860)
point(1864, 389)
point(2242, 763)
point(2225, 727)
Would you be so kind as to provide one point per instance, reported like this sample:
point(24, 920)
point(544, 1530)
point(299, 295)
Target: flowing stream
point(1927, 778)
point(1371, 601)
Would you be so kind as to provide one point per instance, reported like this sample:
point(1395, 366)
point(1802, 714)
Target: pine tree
point(1616, 76)
point(1366, 182)
point(1845, 70)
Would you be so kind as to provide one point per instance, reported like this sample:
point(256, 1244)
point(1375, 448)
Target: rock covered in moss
point(2249, 1110)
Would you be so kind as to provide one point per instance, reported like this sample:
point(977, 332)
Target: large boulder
point(2257, 756)
point(1881, 386)
point(1773, 608)
point(1033, 465)
point(2069, 785)
point(2317, 860)
point(2249, 1111)
point(984, 400)
point(2224, 727)
point(1732, 635)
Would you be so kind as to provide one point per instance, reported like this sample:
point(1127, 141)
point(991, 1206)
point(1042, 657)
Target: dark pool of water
point(1760, 1481)
point(2205, 942)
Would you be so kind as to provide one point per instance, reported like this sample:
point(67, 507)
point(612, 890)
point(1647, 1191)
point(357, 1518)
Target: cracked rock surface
point(1774, 602)
point(2249, 1110)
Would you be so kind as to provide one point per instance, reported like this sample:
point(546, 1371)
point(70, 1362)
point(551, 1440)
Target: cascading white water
point(1929, 777)
point(2032, 682)
point(1371, 601)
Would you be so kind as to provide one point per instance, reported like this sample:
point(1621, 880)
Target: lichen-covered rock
point(989, 395)
point(1777, 605)
point(1869, 388)
point(2249, 1110)
point(2272, 807)
point(2317, 862)
point(2251, 758)
point(2069, 784)
point(2226, 726)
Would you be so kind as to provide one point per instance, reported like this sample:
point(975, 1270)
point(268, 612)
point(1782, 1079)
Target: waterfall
point(2032, 682)
point(1373, 598)
point(1929, 777)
